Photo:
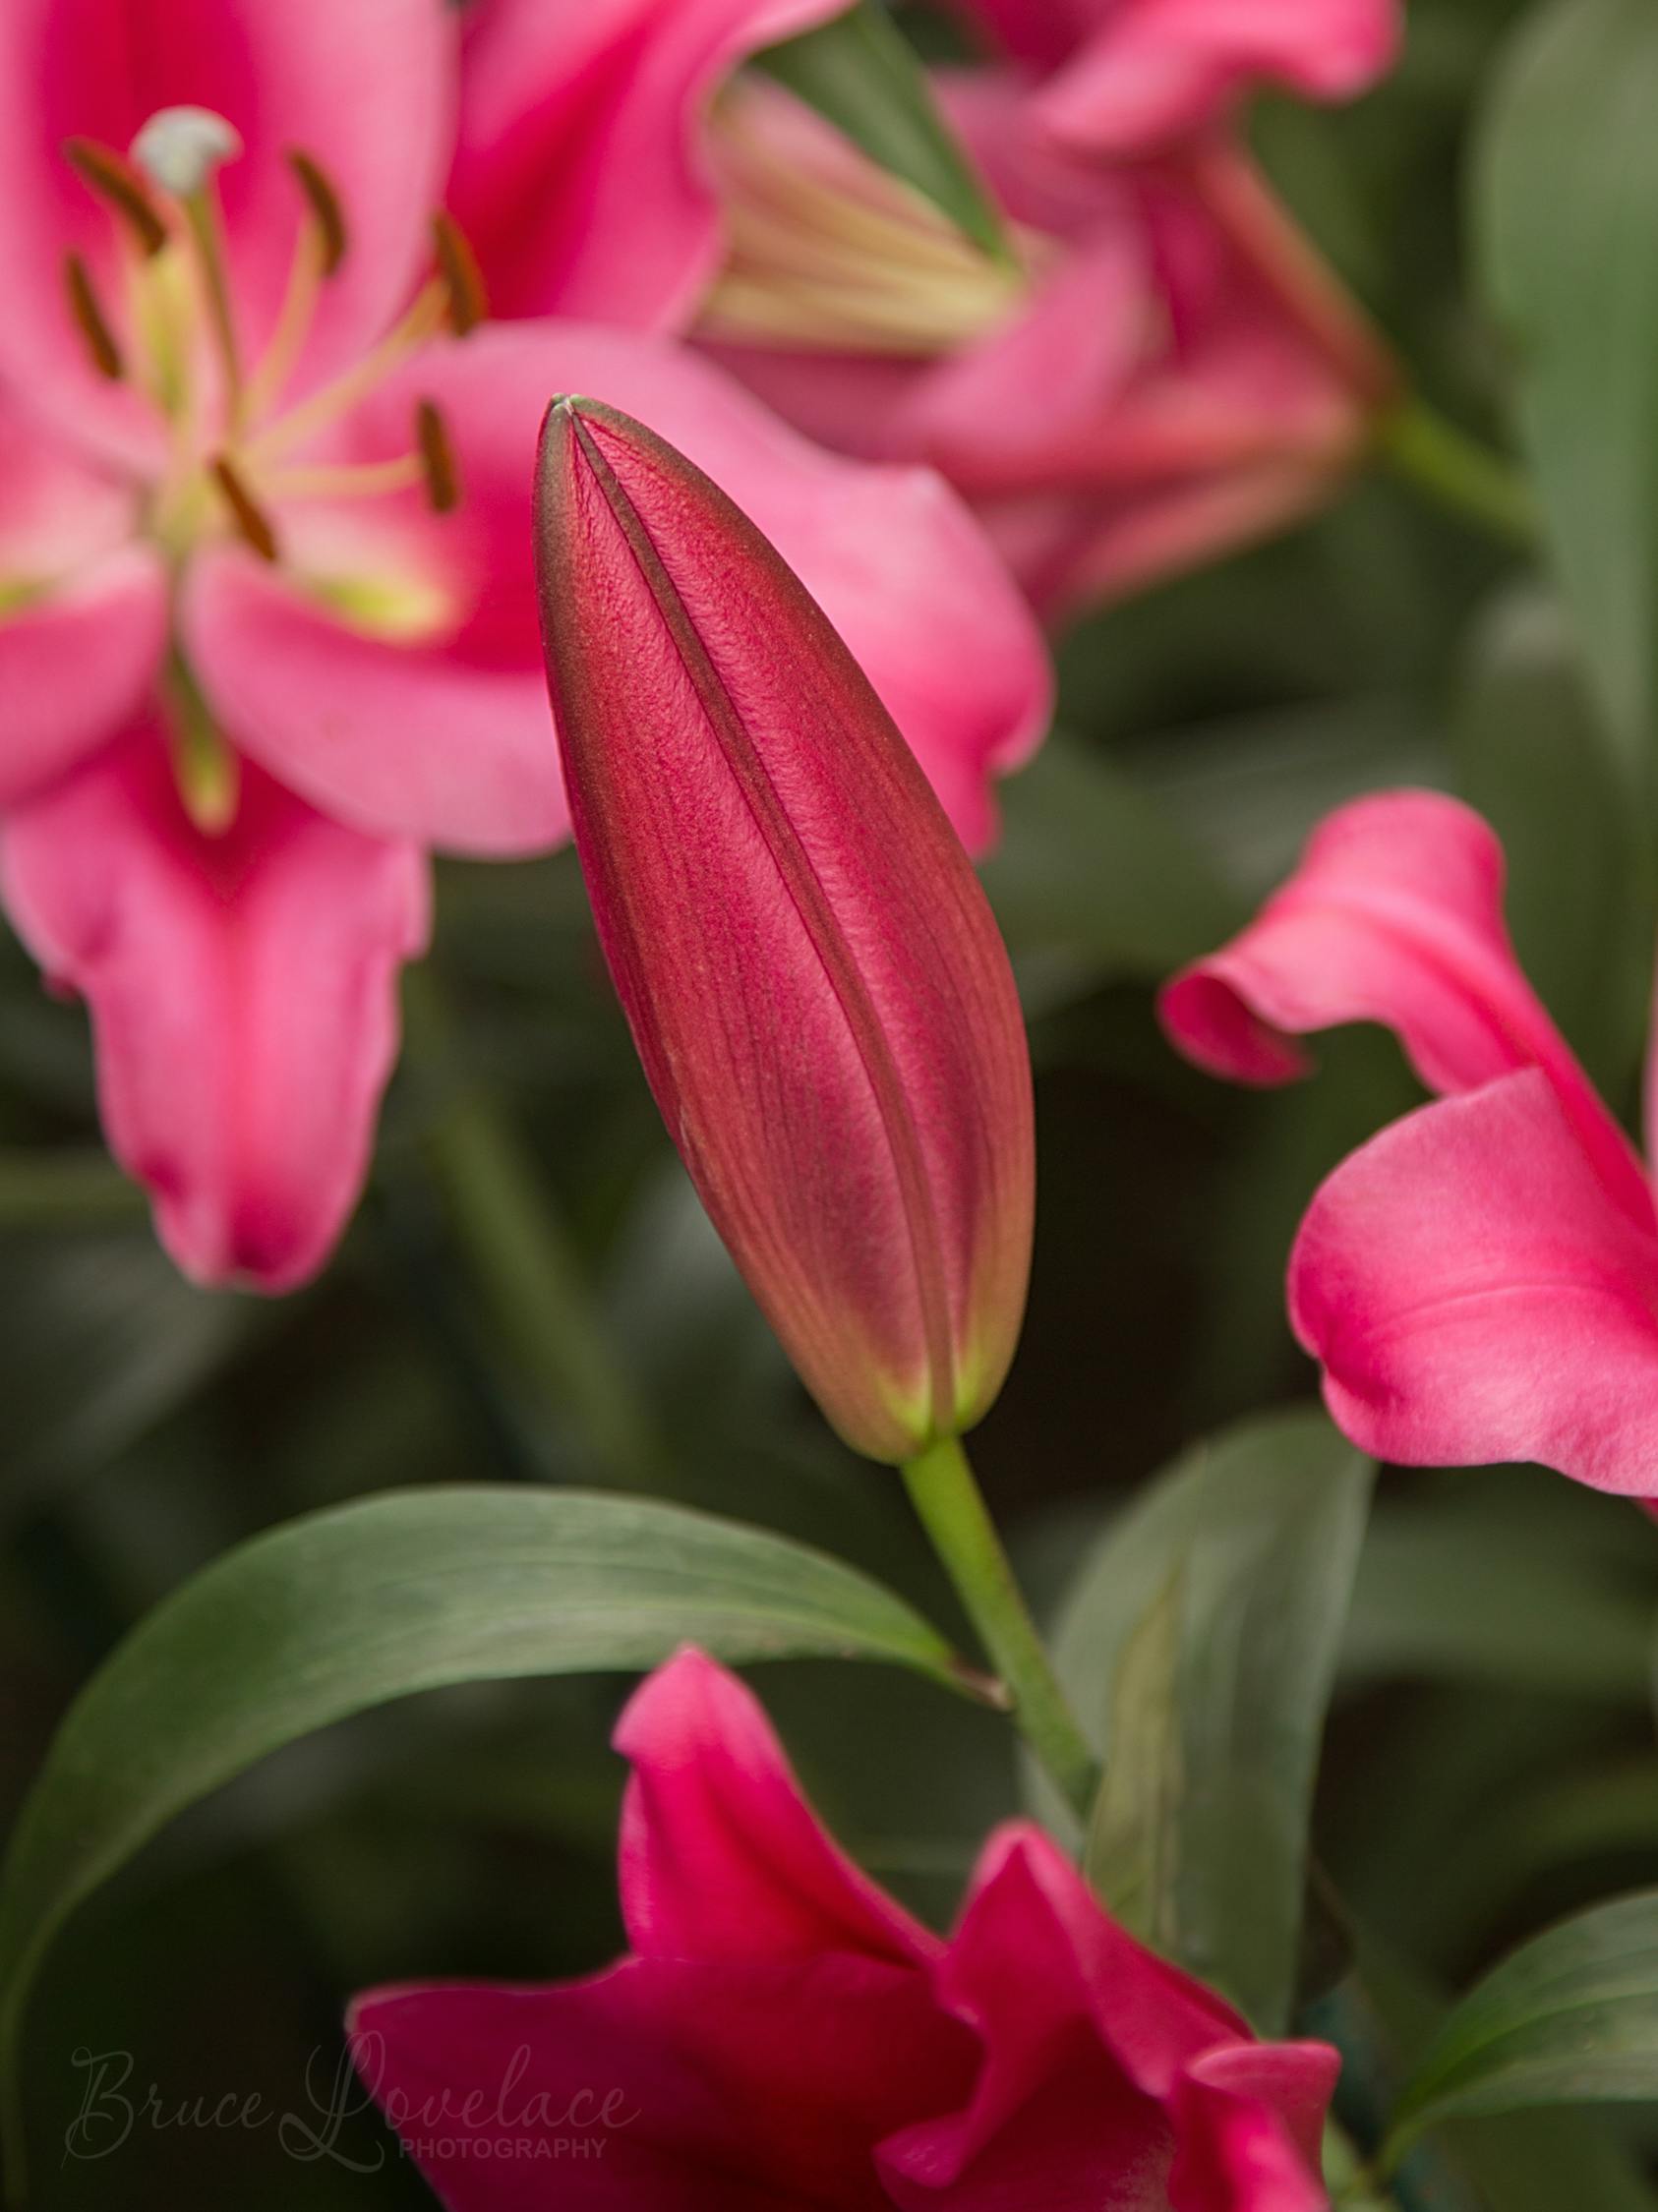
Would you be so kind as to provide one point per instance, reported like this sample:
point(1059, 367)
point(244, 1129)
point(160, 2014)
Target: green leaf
point(410, 1591)
point(1093, 870)
point(861, 73)
point(1533, 756)
point(1570, 2017)
point(1565, 207)
point(1202, 1636)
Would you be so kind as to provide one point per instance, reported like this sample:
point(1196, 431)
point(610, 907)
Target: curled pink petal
point(1476, 1295)
point(242, 992)
point(721, 1854)
point(580, 177)
point(1395, 916)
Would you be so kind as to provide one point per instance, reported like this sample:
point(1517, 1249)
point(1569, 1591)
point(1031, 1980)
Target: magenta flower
point(783, 2033)
point(813, 977)
point(1480, 1281)
point(1202, 379)
point(1135, 77)
point(268, 625)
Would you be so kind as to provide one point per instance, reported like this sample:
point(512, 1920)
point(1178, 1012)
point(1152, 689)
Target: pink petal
point(1394, 916)
point(448, 739)
point(580, 177)
point(1086, 2035)
point(365, 89)
point(242, 992)
point(1251, 2126)
point(83, 609)
point(721, 1855)
point(1476, 1294)
point(663, 2085)
point(1155, 71)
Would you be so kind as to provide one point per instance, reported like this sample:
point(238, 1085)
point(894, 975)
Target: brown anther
point(437, 459)
point(114, 180)
point(246, 513)
point(457, 266)
point(326, 209)
point(89, 317)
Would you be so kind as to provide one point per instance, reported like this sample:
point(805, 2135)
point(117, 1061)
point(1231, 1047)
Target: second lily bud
point(815, 981)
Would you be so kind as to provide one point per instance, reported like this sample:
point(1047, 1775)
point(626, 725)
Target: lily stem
point(1456, 472)
point(945, 1493)
point(533, 1276)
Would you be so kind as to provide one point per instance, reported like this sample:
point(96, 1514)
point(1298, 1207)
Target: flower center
point(237, 437)
point(827, 250)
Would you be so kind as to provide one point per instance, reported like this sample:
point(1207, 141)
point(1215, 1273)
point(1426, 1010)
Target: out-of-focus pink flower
point(1480, 1281)
point(1131, 78)
point(268, 623)
point(812, 974)
point(783, 2033)
point(1174, 373)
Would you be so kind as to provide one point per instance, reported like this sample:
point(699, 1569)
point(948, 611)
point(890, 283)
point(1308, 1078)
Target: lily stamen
point(251, 520)
point(115, 182)
point(437, 457)
point(318, 250)
point(348, 480)
point(423, 321)
point(90, 318)
point(457, 266)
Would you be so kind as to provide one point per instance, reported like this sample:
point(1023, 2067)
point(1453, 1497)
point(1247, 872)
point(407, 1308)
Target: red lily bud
point(815, 981)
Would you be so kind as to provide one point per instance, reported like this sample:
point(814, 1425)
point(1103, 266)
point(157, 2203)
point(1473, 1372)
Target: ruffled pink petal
point(1395, 916)
point(721, 1855)
point(365, 89)
point(446, 736)
point(1250, 2120)
point(1133, 76)
point(580, 177)
point(663, 2085)
point(1086, 2037)
point(1476, 1295)
point(242, 993)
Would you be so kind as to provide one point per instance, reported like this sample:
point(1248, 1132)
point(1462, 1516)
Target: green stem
point(946, 1495)
point(65, 1189)
point(532, 1273)
point(1456, 472)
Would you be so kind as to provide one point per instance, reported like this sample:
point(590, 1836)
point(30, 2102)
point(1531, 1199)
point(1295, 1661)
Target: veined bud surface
point(816, 984)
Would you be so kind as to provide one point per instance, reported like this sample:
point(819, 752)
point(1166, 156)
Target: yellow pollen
point(828, 251)
point(437, 461)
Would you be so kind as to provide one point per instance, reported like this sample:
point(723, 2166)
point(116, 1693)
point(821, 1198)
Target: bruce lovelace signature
point(516, 2120)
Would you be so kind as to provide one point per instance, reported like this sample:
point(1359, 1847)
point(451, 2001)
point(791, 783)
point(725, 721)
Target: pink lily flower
point(1202, 380)
point(267, 622)
point(1135, 77)
point(1480, 1281)
point(783, 2032)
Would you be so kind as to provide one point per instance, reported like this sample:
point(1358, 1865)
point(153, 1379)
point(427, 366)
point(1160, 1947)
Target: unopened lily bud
point(816, 984)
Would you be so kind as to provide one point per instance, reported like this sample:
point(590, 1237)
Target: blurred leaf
point(1091, 869)
point(99, 1338)
point(1533, 756)
point(349, 1607)
point(1203, 1635)
point(1471, 1594)
point(1569, 2017)
point(861, 75)
point(1565, 207)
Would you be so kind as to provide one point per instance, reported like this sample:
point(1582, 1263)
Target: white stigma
point(180, 147)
